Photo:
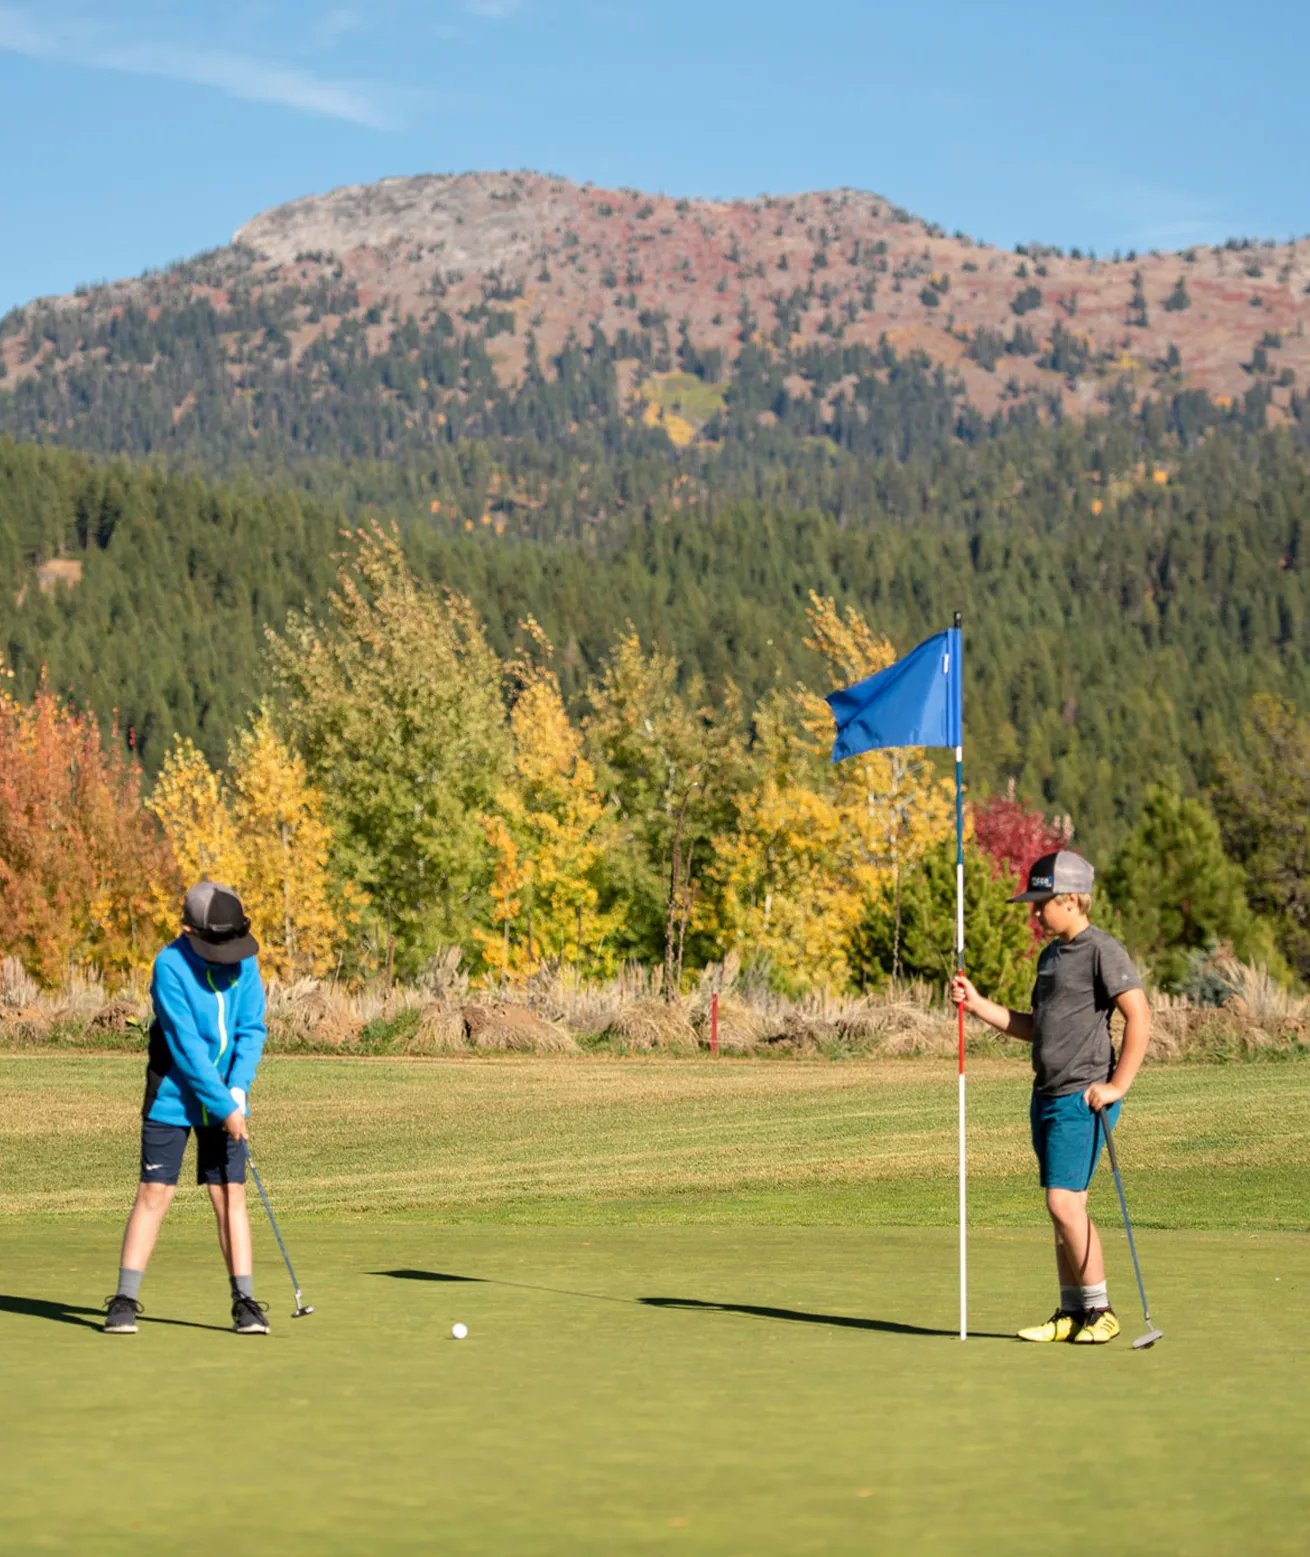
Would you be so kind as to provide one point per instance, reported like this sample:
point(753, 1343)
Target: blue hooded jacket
point(211, 1018)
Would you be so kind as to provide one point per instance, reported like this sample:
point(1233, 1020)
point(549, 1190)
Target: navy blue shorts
point(1067, 1137)
point(219, 1159)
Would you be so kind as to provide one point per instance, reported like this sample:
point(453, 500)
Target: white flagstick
point(959, 962)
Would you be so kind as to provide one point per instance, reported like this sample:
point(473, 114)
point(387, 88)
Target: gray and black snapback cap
point(1054, 874)
point(217, 927)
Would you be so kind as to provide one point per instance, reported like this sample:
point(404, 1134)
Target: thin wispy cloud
point(334, 26)
point(238, 75)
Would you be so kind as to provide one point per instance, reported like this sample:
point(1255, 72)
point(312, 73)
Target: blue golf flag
point(918, 701)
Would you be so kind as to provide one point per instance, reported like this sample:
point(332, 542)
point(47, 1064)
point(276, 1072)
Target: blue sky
point(137, 131)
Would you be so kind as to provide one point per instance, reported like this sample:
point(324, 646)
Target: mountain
point(385, 319)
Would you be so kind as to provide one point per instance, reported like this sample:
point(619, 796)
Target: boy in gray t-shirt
point(1082, 977)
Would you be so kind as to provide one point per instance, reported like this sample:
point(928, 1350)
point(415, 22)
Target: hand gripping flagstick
point(919, 701)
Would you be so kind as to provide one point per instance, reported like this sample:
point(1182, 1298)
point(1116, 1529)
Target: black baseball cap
point(216, 926)
point(1055, 874)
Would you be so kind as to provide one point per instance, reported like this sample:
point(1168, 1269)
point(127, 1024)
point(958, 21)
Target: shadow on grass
point(75, 1314)
point(800, 1316)
point(497, 1281)
point(422, 1275)
point(754, 1310)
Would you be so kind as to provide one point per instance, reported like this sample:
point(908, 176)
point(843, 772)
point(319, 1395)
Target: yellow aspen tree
point(191, 802)
point(508, 884)
point(300, 917)
point(779, 886)
point(265, 835)
point(555, 832)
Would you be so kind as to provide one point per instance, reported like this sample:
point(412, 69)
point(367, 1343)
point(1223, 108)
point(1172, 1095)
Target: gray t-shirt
point(1077, 984)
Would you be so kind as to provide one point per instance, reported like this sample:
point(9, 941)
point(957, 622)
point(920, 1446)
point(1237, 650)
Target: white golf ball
point(459, 1331)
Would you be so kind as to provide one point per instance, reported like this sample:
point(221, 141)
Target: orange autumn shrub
point(86, 877)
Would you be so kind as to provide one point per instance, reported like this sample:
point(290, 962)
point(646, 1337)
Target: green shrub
point(999, 947)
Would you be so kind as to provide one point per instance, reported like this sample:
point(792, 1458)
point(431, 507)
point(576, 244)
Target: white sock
point(1096, 1296)
point(1071, 1299)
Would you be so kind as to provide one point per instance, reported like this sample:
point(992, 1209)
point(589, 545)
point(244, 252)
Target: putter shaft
point(1153, 1335)
point(302, 1308)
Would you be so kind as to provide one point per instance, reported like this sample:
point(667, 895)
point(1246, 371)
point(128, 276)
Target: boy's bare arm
point(1014, 1024)
point(1133, 1007)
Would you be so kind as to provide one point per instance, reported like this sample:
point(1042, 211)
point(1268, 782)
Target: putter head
point(302, 1308)
point(1149, 1339)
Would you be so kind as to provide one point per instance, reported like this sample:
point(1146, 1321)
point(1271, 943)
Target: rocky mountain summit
point(476, 222)
point(519, 267)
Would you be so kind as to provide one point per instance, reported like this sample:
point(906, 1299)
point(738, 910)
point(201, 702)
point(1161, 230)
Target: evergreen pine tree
point(1262, 798)
point(919, 942)
point(1177, 892)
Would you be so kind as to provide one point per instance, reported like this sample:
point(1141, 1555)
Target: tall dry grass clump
point(907, 1023)
point(500, 1027)
point(647, 1025)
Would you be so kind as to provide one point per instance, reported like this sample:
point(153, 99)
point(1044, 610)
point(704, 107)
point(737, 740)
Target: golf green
point(723, 1371)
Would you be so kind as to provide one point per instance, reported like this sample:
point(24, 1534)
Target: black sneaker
point(248, 1316)
point(120, 1315)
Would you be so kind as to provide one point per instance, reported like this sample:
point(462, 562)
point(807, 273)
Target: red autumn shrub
point(1013, 835)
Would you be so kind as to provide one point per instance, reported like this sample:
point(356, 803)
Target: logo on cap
point(1055, 874)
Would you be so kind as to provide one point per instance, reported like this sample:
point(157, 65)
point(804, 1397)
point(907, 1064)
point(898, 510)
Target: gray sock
point(129, 1281)
point(242, 1286)
point(1097, 1296)
point(1071, 1299)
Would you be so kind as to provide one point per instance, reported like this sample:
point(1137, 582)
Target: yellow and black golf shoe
point(1099, 1326)
point(1061, 1326)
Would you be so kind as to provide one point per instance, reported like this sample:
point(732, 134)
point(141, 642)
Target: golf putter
point(302, 1308)
point(1152, 1334)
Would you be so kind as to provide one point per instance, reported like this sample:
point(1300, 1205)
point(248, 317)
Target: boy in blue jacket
point(205, 1044)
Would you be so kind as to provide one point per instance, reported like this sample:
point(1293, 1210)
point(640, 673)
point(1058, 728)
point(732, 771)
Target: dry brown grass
point(628, 1015)
point(645, 1025)
point(899, 1027)
point(743, 1026)
point(503, 1028)
point(440, 1030)
point(309, 1014)
point(17, 987)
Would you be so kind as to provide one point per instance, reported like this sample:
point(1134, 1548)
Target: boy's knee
point(1066, 1205)
point(154, 1197)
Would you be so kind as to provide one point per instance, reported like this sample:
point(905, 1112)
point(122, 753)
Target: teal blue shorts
point(1067, 1137)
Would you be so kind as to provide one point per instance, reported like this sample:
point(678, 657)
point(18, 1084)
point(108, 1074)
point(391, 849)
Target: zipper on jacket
point(222, 1026)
